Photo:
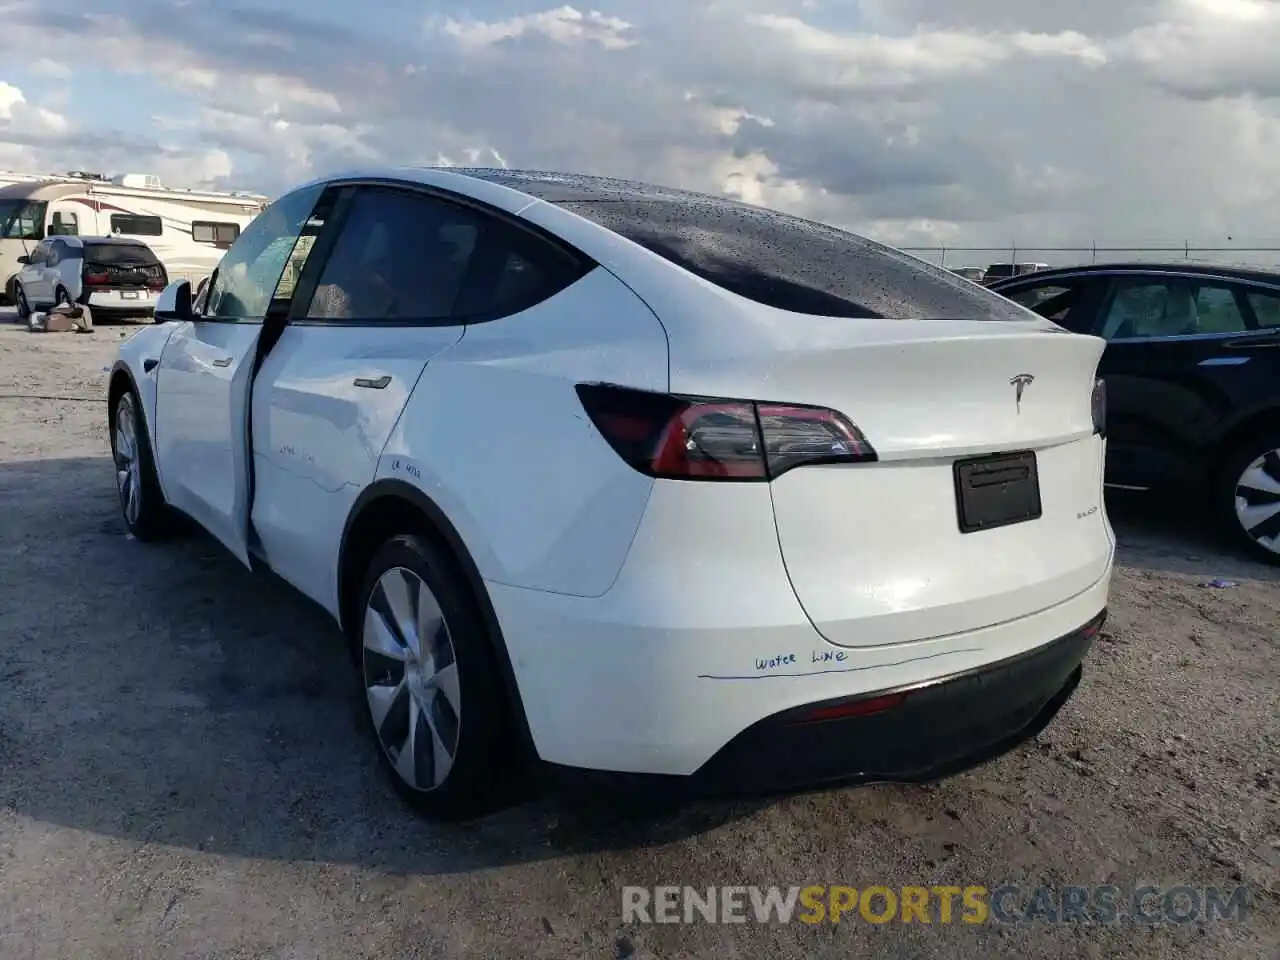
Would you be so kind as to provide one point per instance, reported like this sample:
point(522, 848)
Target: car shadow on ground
point(163, 693)
point(1168, 534)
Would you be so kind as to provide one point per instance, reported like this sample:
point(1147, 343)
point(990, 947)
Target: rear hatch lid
point(122, 266)
point(985, 503)
point(934, 370)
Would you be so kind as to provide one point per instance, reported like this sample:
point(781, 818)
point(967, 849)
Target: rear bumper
point(940, 728)
point(109, 305)
point(702, 639)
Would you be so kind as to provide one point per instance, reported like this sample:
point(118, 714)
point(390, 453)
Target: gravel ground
point(182, 773)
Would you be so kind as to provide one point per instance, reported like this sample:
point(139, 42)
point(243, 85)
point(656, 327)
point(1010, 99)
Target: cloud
point(917, 120)
point(1209, 49)
point(564, 25)
point(25, 127)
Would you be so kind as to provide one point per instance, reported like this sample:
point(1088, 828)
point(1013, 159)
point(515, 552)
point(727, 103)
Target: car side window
point(404, 255)
point(1053, 301)
point(40, 255)
point(262, 264)
point(400, 255)
point(1266, 308)
point(65, 223)
point(55, 254)
point(1170, 307)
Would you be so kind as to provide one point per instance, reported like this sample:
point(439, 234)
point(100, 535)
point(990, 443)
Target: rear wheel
point(61, 297)
point(432, 697)
point(1248, 497)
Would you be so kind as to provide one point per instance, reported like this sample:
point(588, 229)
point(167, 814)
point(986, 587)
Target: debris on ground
point(64, 318)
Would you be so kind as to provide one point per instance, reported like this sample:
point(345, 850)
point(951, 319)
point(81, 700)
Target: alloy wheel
point(1257, 501)
point(128, 466)
point(410, 675)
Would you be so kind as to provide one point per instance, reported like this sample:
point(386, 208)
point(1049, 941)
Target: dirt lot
point(182, 773)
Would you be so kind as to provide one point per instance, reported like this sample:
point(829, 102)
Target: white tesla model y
point(625, 480)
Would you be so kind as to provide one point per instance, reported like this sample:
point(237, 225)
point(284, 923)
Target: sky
point(918, 122)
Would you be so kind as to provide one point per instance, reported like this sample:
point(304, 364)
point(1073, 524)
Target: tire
point(142, 503)
point(1249, 480)
point(60, 296)
point(461, 751)
point(20, 301)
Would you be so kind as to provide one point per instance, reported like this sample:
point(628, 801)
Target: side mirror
point(24, 260)
point(174, 303)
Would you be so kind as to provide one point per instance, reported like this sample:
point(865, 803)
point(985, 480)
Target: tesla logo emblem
point(1019, 383)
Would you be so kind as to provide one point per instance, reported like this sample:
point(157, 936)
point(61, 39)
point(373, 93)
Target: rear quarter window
point(794, 264)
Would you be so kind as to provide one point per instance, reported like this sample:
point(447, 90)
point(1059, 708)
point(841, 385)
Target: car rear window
point(119, 253)
point(794, 264)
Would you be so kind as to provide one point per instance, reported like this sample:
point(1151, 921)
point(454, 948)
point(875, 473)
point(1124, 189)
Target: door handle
point(372, 384)
point(224, 362)
point(1223, 361)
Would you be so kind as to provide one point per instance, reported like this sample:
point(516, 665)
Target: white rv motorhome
point(188, 230)
point(8, 177)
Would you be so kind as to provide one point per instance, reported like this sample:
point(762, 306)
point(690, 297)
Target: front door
point(34, 276)
point(1176, 346)
point(207, 367)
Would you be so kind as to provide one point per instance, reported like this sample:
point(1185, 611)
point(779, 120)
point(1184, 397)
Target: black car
point(1192, 370)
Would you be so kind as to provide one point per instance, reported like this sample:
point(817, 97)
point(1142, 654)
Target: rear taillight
point(96, 277)
point(703, 438)
point(866, 707)
point(1099, 406)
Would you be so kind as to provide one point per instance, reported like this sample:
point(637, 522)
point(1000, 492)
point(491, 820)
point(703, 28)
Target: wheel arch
point(1252, 426)
point(388, 507)
point(121, 381)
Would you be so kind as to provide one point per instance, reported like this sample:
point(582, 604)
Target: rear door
point(56, 266)
point(1182, 356)
point(205, 372)
point(390, 289)
point(1069, 301)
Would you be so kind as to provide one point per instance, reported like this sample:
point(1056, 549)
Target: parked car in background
point(1001, 271)
point(188, 230)
point(976, 274)
point(607, 478)
point(1192, 368)
point(115, 277)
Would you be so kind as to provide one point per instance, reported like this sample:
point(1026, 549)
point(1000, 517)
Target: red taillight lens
point(701, 438)
point(855, 708)
point(95, 277)
point(1099, 406)
point(717, 441)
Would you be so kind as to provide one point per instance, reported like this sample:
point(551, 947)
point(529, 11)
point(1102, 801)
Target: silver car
point(115, 276)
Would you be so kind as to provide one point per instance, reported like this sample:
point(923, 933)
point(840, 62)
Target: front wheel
point(20, 299)
point(141, 502)
point(432, 697)
point(1248, 497)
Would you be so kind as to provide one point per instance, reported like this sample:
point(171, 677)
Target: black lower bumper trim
point(939, 729)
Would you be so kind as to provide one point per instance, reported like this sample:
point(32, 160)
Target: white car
point(602, 478)
point(116, 277)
